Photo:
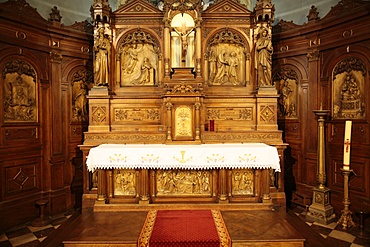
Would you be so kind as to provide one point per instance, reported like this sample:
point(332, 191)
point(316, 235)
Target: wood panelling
point(319, 51)
point(39, 156)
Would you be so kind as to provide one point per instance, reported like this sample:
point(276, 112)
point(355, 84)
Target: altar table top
point(203, 156)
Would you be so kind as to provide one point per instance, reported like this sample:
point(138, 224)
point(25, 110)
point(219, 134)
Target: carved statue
point(285, 94)
point(263, 58)
point(102, 48)
point(80, 103)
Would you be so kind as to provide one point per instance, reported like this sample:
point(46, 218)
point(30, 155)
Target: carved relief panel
point(286, 83)
point(183, 182)
point(226, 55)
point(137, 60)
point(242, 182)
point(20, 92)
point(349, 89)
point(124, 182)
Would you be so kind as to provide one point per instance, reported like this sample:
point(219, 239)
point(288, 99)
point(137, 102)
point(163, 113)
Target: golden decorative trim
point(147, 230)
point(223, 234)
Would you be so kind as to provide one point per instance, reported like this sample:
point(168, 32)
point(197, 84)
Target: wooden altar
point(180, 75)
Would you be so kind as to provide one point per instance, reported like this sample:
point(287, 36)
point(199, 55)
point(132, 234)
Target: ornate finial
point(313, 15)
point(55, 15)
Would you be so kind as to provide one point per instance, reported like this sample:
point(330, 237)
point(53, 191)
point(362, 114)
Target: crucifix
point(183, 34)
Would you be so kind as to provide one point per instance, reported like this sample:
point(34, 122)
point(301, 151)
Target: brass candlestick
point(346, 218)
point(321, 210)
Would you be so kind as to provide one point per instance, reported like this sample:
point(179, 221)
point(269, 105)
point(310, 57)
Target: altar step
point(246, 228)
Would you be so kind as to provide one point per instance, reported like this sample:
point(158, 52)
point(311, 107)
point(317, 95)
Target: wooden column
point(102, 185)
point(169, 120)
point(198, 47)
point(222, 195)
point(167, 47)
point(144, 184)
point(266, 198)
point(197, 119)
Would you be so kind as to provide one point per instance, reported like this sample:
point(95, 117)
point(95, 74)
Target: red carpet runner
point(190, 228)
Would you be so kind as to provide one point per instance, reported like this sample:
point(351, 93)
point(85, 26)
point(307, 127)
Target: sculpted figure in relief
point(263, 58)
point(139, 63)
point(224, 68)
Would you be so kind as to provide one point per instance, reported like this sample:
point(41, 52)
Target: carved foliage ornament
point(228, 37)
point(182, 5)
point(139, 37)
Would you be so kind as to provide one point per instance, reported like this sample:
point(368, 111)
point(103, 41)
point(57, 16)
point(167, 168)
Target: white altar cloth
point(204, 156)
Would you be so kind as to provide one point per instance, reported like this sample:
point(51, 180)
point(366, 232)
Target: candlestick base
point(346, 219)
point(321, 211)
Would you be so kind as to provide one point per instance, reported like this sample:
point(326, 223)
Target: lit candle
point(347, 145)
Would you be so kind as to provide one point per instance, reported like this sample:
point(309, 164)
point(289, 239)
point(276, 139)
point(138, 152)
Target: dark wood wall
point(44, 70)
point(314, 59)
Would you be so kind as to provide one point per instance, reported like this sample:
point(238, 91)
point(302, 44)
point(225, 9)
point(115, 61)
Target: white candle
point(347, 145)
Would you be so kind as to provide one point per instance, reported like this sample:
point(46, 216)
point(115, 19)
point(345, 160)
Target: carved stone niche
point(20, 92)
point(348, 89)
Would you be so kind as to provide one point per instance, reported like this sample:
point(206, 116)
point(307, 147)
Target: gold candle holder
point(346, 218)
point(320, 210)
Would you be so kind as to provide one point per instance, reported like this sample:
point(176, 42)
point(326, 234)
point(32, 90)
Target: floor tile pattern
point(27, 235)
point(334, 233)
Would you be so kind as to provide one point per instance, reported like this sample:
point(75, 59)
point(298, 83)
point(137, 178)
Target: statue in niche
point(285, 81)
point(19, 100)
point(224, 68)
point(102, 49)
point(263, 58)
point(285, 94)
point(80, 101)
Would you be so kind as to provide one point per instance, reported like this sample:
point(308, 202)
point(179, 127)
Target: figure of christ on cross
point(183, 34)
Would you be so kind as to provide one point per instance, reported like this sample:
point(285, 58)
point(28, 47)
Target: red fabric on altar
point(190, 228)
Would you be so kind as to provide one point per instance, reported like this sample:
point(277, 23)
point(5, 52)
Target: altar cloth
point(203, 156)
